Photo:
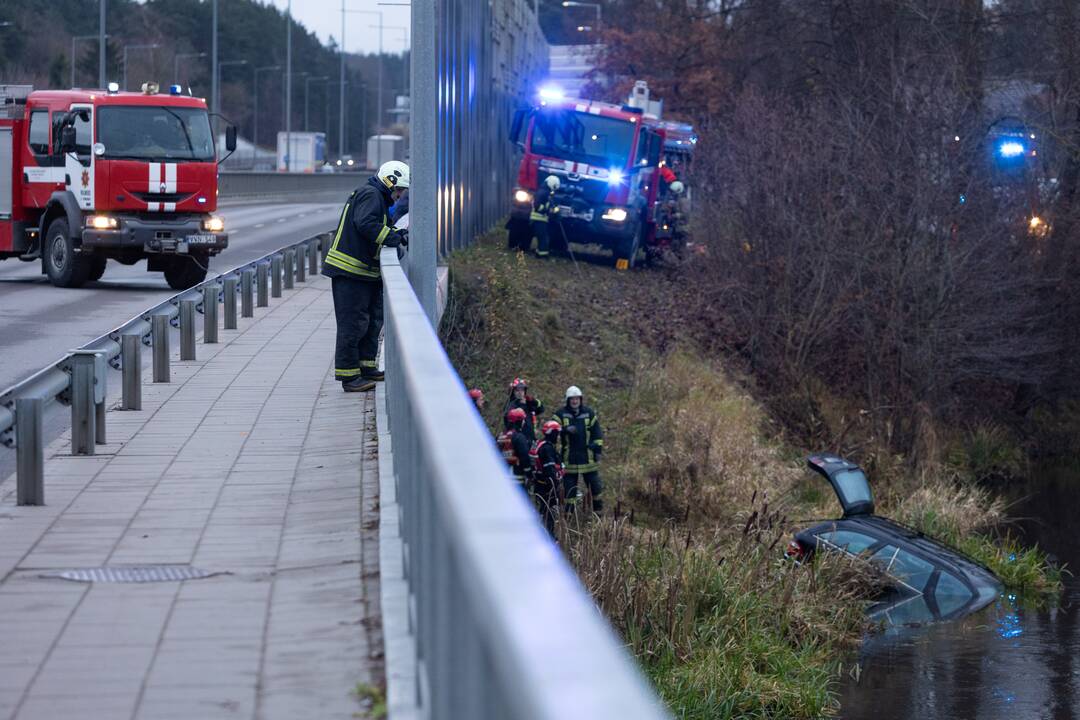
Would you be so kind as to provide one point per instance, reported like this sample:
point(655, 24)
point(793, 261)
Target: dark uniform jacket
point(582, 446)
point(362, 232)
point(522, 445)
point(547, 457)
point(543, 205)
point(533, 409)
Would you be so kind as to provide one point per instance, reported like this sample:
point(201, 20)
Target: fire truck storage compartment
point(5, 171)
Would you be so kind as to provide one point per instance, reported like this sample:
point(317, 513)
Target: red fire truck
point(88, 176)
point(606, 158)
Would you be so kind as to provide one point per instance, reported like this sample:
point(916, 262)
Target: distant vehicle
point(88, 176)
point(384, 148)
point(346, 162)
point(930, 581)
point(607, 159)
point(307, 154)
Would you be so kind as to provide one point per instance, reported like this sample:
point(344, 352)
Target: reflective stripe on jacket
point(362, 230)
point(578, 447)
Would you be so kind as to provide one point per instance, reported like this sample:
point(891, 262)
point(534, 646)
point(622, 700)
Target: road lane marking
point(259, 225)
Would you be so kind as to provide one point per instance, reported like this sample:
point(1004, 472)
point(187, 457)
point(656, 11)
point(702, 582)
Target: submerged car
point(929, 580)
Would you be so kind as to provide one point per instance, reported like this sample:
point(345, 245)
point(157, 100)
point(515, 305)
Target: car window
point(853, 542)
point(950, 594)
point(38, 137)
point(853, 486)
point(912, 569)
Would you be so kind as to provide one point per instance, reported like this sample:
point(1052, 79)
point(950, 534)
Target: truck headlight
point(213, 224)
point(102, 222)
point(522, 196)
point(615, 214)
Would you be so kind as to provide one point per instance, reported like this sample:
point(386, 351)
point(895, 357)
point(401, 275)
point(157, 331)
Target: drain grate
point(132, 574)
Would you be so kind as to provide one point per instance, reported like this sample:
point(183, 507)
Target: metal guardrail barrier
point(239, 185)
point(503, 628)
point(79, 378)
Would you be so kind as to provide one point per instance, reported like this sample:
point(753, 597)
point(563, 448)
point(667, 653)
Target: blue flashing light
point(615, 176)
point(551, 92)
point(1010, 149)
point(175, 90)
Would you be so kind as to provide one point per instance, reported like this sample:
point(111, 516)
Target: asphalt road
point(39, 322)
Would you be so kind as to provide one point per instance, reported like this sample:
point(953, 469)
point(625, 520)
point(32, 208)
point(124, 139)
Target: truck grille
point(162, 197)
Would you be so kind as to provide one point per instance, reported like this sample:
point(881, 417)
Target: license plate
point(568, 212)
point(201, 240)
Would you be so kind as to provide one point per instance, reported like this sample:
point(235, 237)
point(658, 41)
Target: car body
point(929, 580)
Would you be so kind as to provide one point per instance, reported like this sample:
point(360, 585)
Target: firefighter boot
point(373, 374)
point(358, 384)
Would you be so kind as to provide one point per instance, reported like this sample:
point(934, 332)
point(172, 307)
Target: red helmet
point(476, 394)
point(552, 426)
point(518, 382)
point(515, 416)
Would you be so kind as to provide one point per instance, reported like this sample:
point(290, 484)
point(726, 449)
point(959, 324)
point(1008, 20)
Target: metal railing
point(503, 628)
point(79, 378)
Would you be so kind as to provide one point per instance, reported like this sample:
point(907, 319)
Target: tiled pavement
point(251, 463)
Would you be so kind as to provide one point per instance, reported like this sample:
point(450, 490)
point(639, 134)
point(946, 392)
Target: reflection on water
point(1007, 661)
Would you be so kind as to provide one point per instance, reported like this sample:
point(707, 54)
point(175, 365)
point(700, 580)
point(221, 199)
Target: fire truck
point(607, 159)
point(88, 176)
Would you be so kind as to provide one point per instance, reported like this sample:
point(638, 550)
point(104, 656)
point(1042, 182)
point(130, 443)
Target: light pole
point(288, 87)
point(151, 48)
point(404, 49)
point(176, 65)
point(255, 131)
point(307, 91)
point(341, 89)
point(380, 26)
point(217, 80)
point(73, 41)
point(101, 45)
point(214, 68)
point(596, 6)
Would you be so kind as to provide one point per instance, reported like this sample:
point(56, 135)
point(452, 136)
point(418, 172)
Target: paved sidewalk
point(253, 464)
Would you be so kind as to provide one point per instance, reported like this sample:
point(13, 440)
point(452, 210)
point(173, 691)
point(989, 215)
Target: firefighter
point(515, 446)
point(548, 473)
point(520, 398)
point(582, 445)
point(352, 264)
point(477, 396)
point(544, 209)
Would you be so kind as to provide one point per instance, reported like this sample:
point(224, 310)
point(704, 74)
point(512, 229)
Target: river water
point(1007, 661)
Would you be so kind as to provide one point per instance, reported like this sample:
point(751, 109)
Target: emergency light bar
point(176, 90)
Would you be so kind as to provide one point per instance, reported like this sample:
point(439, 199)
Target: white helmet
point(552, 182)
point(394, 174)
point(677, 187)
point(573, 391)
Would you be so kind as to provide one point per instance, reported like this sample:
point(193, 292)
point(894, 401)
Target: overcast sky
point(323, 17)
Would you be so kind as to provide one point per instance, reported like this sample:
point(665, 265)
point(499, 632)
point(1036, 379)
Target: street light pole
point(288, 87)
point(307, 91)
point(255, 131)
point(101, 45)
point(217, 80)
point(596, 6)
point(151, 48)
point(176, 65)
point(404, 65)
point(380, 91)
point(341, 90)
point(214, 99)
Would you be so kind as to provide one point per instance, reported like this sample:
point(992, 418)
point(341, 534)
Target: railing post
point(229, 299)
point(187, 329)
point(263, 276)
point(131, 364)
point(290, 268)
point(247, 280)
point(83, 410)
point(30, 457)
point(159, 339)
point(301, 265)
point(275, 276)
point(313, 257)
point(209, 308)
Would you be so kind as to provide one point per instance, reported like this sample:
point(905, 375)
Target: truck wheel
point(627, 250)
point(64, 267)
point(184, 272)
point(97, 268)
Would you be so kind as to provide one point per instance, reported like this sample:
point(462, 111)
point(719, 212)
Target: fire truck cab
point(88, 176)
point(607, 160)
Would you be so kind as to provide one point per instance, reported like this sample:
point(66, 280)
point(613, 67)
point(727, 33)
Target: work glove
point(596, 450)
point(571, 430)
point(404, 237)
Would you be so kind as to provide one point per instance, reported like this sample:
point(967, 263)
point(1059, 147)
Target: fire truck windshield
point(583, 137)
point(143, 132)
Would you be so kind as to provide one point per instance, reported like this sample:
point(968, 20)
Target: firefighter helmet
point(552, 182)
point(394, 174)
point(677, 187)
point(515, 416)
point(573, 392)
point(551, 426)
point(518, 382)
point(476, 394)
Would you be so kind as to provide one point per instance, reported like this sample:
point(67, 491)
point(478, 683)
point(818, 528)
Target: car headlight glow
point(522, 196)
point(102, 222)
point(214, 224)
point(615, 214)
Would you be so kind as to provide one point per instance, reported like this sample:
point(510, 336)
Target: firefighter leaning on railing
point(352, 264)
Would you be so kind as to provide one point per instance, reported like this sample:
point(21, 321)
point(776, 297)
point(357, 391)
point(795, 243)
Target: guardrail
point(79, 378)
point(238, 185)
point(502, 627)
